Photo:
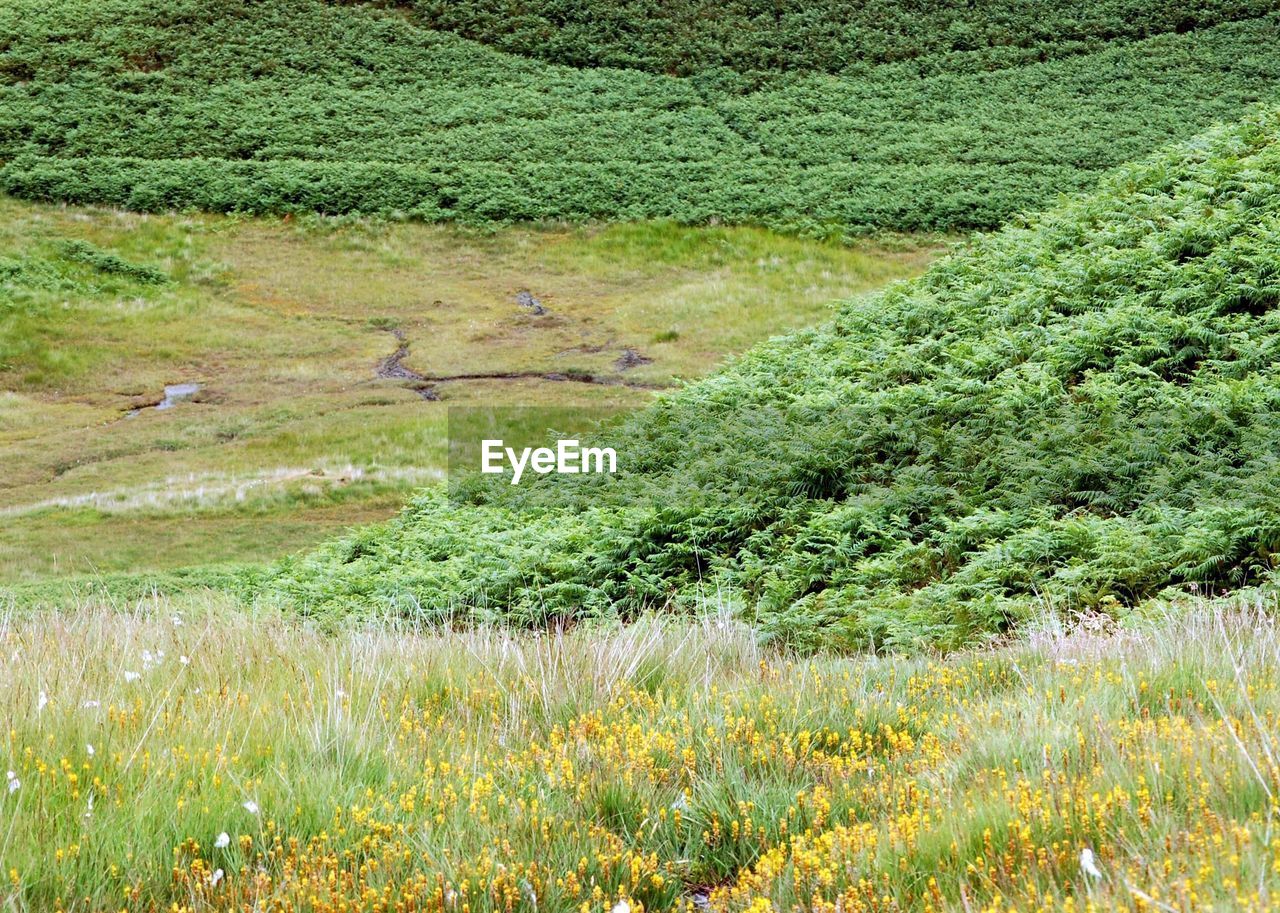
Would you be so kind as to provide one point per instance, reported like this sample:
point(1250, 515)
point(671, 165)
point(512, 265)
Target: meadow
point(305, 106)
point(186, 756)
point(940, 571)
point(286, 327)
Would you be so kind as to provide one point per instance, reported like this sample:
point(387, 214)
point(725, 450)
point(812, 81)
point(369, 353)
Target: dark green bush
point(762, 38)
point(1082, 409)
point(296, 105)
point(113, 264)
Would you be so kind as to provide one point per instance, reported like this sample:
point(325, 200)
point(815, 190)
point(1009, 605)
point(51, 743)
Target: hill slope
point(761, 38)
point(295, 105)
point(1085, 408)
point(319, 351)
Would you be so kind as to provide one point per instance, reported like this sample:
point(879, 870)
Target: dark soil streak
point(393, 367)
point(595, 379)
point(630, 358)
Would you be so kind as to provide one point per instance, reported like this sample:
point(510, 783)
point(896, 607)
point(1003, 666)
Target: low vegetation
point(761, 38)
point(185, 757)
point(300, 106)
point(959, 596)
point(1082, 408)
point(293, 435)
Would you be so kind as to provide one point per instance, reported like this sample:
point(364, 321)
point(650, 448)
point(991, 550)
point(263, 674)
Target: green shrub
point(297, 106)
point(762, 38)
point(106, 262)
point(1082, 409)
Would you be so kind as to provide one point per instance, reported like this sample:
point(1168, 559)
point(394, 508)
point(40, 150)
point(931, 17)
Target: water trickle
point(177, 393)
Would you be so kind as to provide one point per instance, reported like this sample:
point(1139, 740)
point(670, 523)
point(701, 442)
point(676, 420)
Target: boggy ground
point(324, 353)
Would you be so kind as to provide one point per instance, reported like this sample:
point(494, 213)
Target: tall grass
point(661, 764)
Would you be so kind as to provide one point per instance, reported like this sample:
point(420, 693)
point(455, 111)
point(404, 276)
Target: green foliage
point(125, 589)
point(1084, 409)
point(298, 105)
point(35, 288)
point(761, 38)
point(107, 262)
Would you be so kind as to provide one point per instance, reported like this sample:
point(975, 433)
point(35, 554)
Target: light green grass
point(387, 768)
point(284, 323)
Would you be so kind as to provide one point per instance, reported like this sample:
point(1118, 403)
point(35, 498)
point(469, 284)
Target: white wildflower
point(1087, 865)
point(43, 702)
point(89, 749)
point(131, 676)
point(215, 877)
point(14, 782)
point(621, 907)
point(223, 841)
point(251, 807)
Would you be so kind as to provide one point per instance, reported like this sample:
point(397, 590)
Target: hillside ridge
point(299, 106)
point(1079, 411)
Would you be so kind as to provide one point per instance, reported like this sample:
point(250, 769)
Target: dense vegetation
point(762, 38)
point(1083, 409)
point(295, 435)
point(192, 759)
point(298, 105)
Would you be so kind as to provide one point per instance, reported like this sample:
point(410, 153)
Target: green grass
point(382, 767)
point(300, 105)
point(1082, 408)
point(293, 436)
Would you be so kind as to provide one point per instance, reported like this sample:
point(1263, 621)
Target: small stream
point(177, 393)
point(173, 394)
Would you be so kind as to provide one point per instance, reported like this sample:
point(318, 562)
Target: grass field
point(185, 756)
point(284, 326)
point(939, 573)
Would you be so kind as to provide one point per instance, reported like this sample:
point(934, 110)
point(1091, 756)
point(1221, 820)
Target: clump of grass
point(105, 261)
point(185, 753)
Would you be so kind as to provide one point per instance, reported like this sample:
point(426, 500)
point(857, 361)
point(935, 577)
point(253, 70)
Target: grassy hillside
point(1084, 409)
point(673, 767)
point(300, 427)
point(298, 105)
point(762, 38)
